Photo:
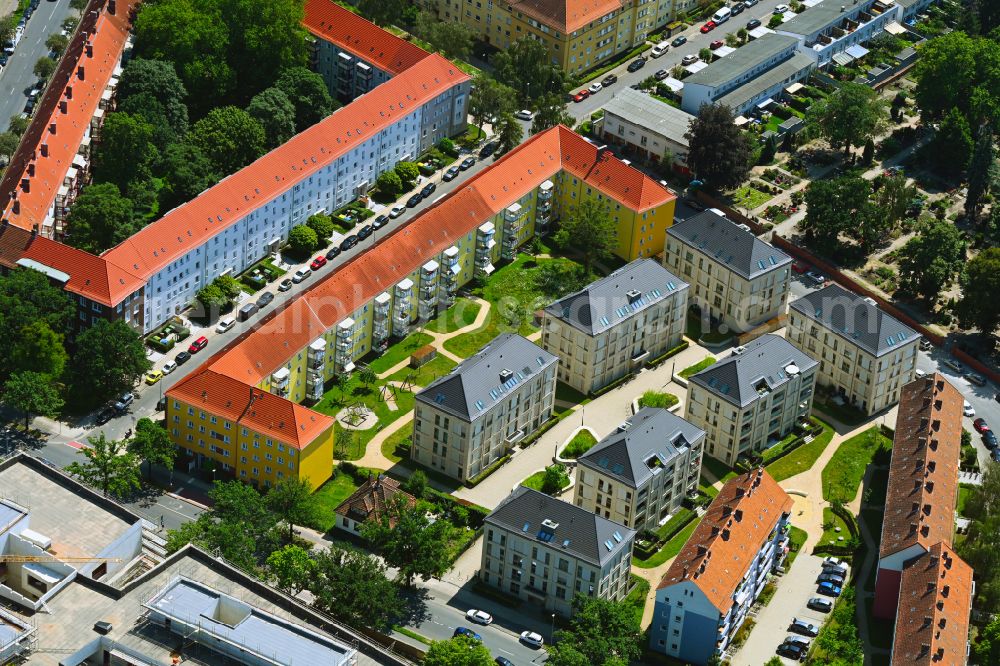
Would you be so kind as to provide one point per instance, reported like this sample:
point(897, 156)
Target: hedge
point(849, 518)
point(677, 522)
point(542, 429)
point(479, 478)
point(840, 550)
point(670, 352)
point(449, 507)
point(610, 387)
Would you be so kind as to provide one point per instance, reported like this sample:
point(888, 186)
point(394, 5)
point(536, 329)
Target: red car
point(708, 27)
point(198, 345)
point(980, 425)
point(582, 95)
point(318, 262)
point(717, 44)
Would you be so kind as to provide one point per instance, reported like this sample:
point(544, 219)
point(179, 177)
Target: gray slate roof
point(743, 60)
point(777, 75)
point(650, 432)
point(580, 533)
point(856, 320)
point(474, 385)
point(606, 302)
point(643, 110)
point(726, 242)
point(735, 377)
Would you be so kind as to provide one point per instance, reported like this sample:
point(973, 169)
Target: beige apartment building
point(640, 474)
point(751, 399)
point(865, 355)
point(466, 420)
point(614, 325)
point(736, 278)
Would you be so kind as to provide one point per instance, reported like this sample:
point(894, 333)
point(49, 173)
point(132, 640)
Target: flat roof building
point(830, 27)
point(647, 126)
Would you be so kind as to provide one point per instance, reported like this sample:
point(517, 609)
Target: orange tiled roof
point(372, 498)
point(90, 275)
point(730, 535)
point(935, 600)
point(333, 23)
point(566, 15)
point(260, 411)
point(191, 224)
point(923, 474)
point(108, 42)
point(13, 241)
point(394, 257)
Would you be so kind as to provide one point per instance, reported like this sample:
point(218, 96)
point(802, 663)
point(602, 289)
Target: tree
point(8, 24)
point(212, 299)
point(265, 38)
point(601, 632)
point(389, 183)
point(952, 145)
point(768, 150)
point(126, 152)
point(78, 5)
point(893, 199)
point(322, 225)
point(982, 543)
point(292, 501)
point(705, 54)
point(868, 154)
point(718, 151)
point(229, 137)
point(308, 94)
point(774, 661)
point(368, 376)
point(949, 71)
point(981, 170)
point(275, 113)
point(352, 586)
point(151, 444)
point(980, 307)
point(56, 43)
point(591, 229)
point(291, 568)
point(986, 649)
point(159, 80)
point(44, 67)
point(551, 112)
point(383, 12)
point(39, 349)
point(452, 38)
point(147, 108)
point(931, 259)
point(508, 131)
point(187, 172)
point(734, 39)
point(458, 651)
point(29, 301)
point(343, 440)
point(109, 360)
point(489, 99)
point(409, 541)
point(415, 484)
point(408, 173)
point(108, 466)
point(8, 144)
point(830, 209)
point(850, 116)
point(241, 505)
point(18, 125)
point(302, 240)
point(526, 67)
point(554, 479)
point(101, 218)
point(33, 394)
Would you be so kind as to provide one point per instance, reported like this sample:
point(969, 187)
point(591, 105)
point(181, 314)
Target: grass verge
point(802, 458)
point(842, 475)
point(697, 367)
point(669, 550)
point(400, 351)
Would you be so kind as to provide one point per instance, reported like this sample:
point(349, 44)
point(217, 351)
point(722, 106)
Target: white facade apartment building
point(471, 417)
point(648, 126)
point(864, 354)
point(736, 278)
point(616, 324)
point(641, 472)
point(752, 398)
point(545, 551)
point(830, 27)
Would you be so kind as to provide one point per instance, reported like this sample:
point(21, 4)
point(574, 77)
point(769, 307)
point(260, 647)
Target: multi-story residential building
point(647, 126)
point(409, 273)
point(578, 34)
point(832, 26)
point(546, 551)
point(640, 473)
point(908, 9)
point(614, 325)
point(753, 398)
point(250, 434)
point(864, 354)
point(705, 596)
point(751, 75)
point(465, 421)
point(736, 278)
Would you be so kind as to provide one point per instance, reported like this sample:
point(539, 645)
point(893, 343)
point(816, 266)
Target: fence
point(733, 214)
point(768, 326)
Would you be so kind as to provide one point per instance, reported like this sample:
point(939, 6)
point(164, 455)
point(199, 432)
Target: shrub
point(302, 240)
point(658, 399)
point(390, 184)
point(321, 224)
point(580, 444)
point(408, 172)
point(447, 146)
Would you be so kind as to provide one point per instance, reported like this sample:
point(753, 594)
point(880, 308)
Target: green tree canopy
point(458, 651)
point(452, 38)
point(39, 349)
point(590, 228)
point(986, 649)
point(108, 467)
point(831, 209)
point(508, 131)
point(229, 137)
point(952, 145)
point(187, 172)
point(126, 152)
point(147, 108)
point(159, 80)
point(302, 240)
point(321, 224)
point(602, 632)
point(980, 305)
point(29, 299)
point(982, 543)
point(551, 112)
point(489, 99)
point(352, 586)
point(291, 568)
point(308, 94)
point(292, 501)
point(212, 300)
point(408, 173)
point(265, 38)
point(958, 71)
point(931, 259)
point(109, 360)
point(383, 12)
point(409, 541)
point(32, 394)
point(151, 444)
point(982, 172)
point(101, 218)
point(554, 479)
point(56, 43)
point(8, 144)
point(850, 116)
point(275, 113)
point(718, 151)
point(18, 125)
point(526, 67)
point(389, 183)
point(44, 67)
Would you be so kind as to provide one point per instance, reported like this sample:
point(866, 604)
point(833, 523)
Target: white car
point(660, 49)
point(781, 9)
point(169, 367)
point(833, 561)
point(301, 275)
point(531, 638)
point(595, 87)
point(479, 617)
point(921, 373)
point(689, 59)
point(225, 325)
point(968, 409)
point(524, 114)
point(396, 211)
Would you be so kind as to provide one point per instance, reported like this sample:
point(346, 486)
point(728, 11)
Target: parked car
point(753, 23)
point(467, 163)
point(661, 74)
point(974, 378)
point(792, 651)
point(182, 357)
point(524, 114)
point(955, 365)
point(285, 285)
point(451, 173)
point(830, 577)
point(835, 570)
point(301, 275)
point(379, 222)
point(803, 627)
point(153, 376)
point(689, 59)
point(225, 324)
point(751, 3)
point(925, 344)
point(636, 64)
point(820, 604)
point(169, 367)
point(708, 27)
point(365, 231)
point(660, 49)
point(396, 212)
point(829, 589)
point(717, 44)
point(105, 415)
point(468, 633)
point(967, 409)
point(781, 9)
point(990, 440)
point(816, 278)
point(333, 252)
point(680, 40)
point(414, 201)
point(919, 374)
point(532, 638)
point(693, 204)
point(318, 263)
point(491, 147)
point(995, 455)
point(348, 243)
point(479, 617)
point(265, 299)
point(428, 190)
point(581, 95)
point(738, 8)
point(595, 87)
point(980, 425)
point(801, 641)
point(503, 661)
point(608, 80)
point(124, 400)
point(197, 345)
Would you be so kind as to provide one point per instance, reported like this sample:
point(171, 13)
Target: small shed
point(422, 356)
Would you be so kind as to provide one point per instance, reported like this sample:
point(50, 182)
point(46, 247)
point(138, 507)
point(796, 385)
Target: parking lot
point(795, 588)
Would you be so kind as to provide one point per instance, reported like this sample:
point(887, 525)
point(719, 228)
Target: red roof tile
point(923, 474)
point(566, 15)
point(90, 275)
point(729, 536)
point(333, 23)
point(372, 499)
point(935, 600)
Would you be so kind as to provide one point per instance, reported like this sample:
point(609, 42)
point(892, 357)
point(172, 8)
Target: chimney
point(44, 148)
point(112, 7)
point(89, 49)
point(52, 128)
point(34, 230)
point(62, 106)
point(69, 92)
point(31, 169)
point(26, 185)
point(80, 73)
point(16, 208)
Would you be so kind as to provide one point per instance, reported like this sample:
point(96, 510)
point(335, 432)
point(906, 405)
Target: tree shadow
point(415, 611)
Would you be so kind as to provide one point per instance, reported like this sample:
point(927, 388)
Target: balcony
point(545, 191)
point(314, 386)
point(316, 359)
point(279, 382)
point(344, 351)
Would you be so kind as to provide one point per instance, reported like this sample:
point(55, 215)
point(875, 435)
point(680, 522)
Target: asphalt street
point(18, 75)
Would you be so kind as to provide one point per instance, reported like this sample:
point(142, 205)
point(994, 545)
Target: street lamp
point(552, 631)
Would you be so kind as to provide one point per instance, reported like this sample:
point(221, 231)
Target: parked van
point(247, 311)
point(722, 15)
point(660, 49)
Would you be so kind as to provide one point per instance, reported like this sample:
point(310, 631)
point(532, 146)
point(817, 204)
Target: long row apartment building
point(406, 276)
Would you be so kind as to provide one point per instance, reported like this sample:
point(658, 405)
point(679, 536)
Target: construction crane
point(49, 558)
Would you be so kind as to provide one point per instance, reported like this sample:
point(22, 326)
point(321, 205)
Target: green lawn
point(801, 458)
point(658, 399)
point(842, 475)
point(566, 393)
point(830, 534)
point(845, 414)
point(636, 599)
point(400, 351)
point(535, 481)
point(669, 550)
point(336, 399)
point(964, 492)
point(391, 446)
point(580, 444)
point(719, 469)
point(459, 315)
point(749, 196)
point(697, 367)
point(331, 494)
point(796, 537)
point(438, 366)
